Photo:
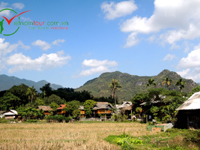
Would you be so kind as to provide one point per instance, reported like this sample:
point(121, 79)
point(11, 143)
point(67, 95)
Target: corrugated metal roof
point(192, 103)
point(81, 107)
point(61, 106)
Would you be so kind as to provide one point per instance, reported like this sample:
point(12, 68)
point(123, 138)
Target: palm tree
point(167, 81)
point(151, 82)
point(181, 84)
point(31, 92)
point(114, 86)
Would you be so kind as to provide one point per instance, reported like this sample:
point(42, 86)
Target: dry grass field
point(65, 136)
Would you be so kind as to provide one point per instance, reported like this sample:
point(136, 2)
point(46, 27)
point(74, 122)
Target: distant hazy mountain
point(6, 82)
point(131, 84)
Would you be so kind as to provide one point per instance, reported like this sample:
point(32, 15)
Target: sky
point(71, 42)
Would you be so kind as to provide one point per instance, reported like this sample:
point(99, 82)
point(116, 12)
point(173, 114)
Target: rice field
point(65, 136)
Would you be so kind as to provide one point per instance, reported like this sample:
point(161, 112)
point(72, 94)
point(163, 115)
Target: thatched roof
point(192, 103)
point(45, 108)
point(128, 108)
point(102, 105)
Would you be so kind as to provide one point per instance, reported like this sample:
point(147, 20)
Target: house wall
point(188, 119)
point(60, 112)
point(9, 117)
point(103, 111)
point(82, 112)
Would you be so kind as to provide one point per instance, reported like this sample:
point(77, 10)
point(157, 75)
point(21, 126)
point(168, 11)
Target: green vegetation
point(168, 101)
point(114, 86)
point(172, 139)
point(151, 82)
point(181, 83)
point(125, 141)
point(133, 84)
point(89, 104)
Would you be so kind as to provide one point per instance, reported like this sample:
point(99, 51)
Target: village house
point(128, 111)
point(11, 114)
point(60, 110)
point(82, 112)
point(46, 109)
point(124, 104)
point(188, 113)
point(102, 110)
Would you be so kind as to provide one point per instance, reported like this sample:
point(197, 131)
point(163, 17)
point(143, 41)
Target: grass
point(62, 136)
point(173, 139)
point(90, 136)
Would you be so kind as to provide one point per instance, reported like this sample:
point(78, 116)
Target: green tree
point(194, 90)
point(154, 110)
point(72, 106)
point(30, 113)
point(31, 93)
point(54, 106)
point(138, 110)
point(167, 81)
point(20, 91)
point(151, 82)
point(9, 101)
point(47, 89)
point(39, 102)
point(88, 105)
point(181, 83)
point(140, 97)
point(114, 86)
point(54, 98)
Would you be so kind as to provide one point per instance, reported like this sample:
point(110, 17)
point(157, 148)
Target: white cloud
point(120, 9)
point(183, 73)
point(169, 57)
point(56, 42)
point(91, 71)
point(191, 61)
point(96, 63)
point(97, 66)
point(5, 12)
point(42, 44)
point(46, 61)
point(174, 20)
point(6, 47)
point(190, 66)
point(26, 47)
point(45, 45)
point(131, 40)
point(18, 5)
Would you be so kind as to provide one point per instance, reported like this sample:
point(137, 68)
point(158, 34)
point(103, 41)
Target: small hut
point(46, 109)
point(11, 114)
point(60, 110)
point(128, 111)
point(103, 109)
point(188, 113)
point(82, 111)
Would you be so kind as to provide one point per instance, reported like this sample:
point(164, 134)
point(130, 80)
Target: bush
point(31, 121)
point(58, 118)
point(2, 120)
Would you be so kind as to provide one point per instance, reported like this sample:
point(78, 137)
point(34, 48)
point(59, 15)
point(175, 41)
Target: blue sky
point(140, 37)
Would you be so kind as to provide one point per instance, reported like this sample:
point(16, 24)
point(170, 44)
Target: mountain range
point(131, 84)
point(6, 82)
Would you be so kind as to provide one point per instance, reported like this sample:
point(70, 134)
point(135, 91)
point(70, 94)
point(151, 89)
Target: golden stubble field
point(65, 136)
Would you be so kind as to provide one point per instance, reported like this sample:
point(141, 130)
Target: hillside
point(131, 84)
point(7, 82)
